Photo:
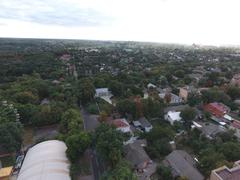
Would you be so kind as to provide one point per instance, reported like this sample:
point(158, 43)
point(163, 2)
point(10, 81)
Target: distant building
point(174, 99)
point(208, 129)
point(65, 57)
point(235, 125)
point(150, 85)
point(225, 173)
point(144, 124)
point(235, 81)
point(185, 91)
point(173, 116)
point(139, 159)
point(100, 92)
point(217, 109)
point(104, 94)
point(182, 165)
point(46, 160)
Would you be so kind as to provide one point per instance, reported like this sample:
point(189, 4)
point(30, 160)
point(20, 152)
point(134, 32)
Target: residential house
point(225, 173)
point(195, 76)
point(143, 123)
point(150, 85)
point(173, 98)
point(65, 57)
point(217, 109)
point(139, 159)
point(173, 116)
point(209, 129)
point(235, 81)
point(185, 91)
point(182, 165)
point(235, 125)
point(121, 125)
point(104, 94)
point(100, 92)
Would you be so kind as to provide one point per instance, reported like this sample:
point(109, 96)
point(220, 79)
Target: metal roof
point(46, 161)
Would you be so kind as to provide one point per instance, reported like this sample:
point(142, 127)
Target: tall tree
point(86, 91)
point(109, 143)
point(77, 144)
point(122, 171)
point(10, 128)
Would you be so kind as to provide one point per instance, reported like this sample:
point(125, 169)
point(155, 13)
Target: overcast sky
point(210, 22)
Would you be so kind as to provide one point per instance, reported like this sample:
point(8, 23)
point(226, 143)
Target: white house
point(173, 116)
point(104, 94)
point(150, 85)
point(100, 92)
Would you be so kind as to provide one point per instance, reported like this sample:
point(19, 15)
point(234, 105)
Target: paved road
point(90, 123)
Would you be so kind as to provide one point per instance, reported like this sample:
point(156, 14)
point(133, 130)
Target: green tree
point(122, 171)
point(26, 97)
point(233, 92)
point(153, 108)
point(11, 136)
point(86, 91)
point(10, 129)
point(27, 112)
point(77, 144)
point(126, 106)
point(158, 141)
point(164, 173)
point(231, 150)
point(116, 88)
point(210, 159)
point(214, 94)
point(194, 99)
point(109, 143)
point(71, 122)
point(188, 114)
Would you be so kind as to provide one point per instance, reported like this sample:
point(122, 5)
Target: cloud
point(50, 12)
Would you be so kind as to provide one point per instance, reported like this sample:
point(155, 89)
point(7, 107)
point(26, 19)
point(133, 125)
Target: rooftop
point(5, 172)
point(46, 161)
point(174, 115)
point(182, 164)
point(224, 173)
point(119, 123)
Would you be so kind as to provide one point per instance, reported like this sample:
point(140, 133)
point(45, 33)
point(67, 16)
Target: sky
point(206, 22)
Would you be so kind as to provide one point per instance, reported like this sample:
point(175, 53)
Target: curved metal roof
point(46, 161)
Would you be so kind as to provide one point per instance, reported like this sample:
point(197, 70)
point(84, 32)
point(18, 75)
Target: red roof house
point(121, 124)
point(236, 124)
point(217, 109)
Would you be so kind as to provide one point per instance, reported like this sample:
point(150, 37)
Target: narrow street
point(90, 123)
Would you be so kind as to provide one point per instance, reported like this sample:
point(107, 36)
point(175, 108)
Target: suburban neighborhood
point(118, 111)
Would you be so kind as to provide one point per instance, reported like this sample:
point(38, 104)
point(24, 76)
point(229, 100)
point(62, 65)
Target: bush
point(92, 109)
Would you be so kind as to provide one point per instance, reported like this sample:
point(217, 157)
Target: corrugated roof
point(46, 161)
